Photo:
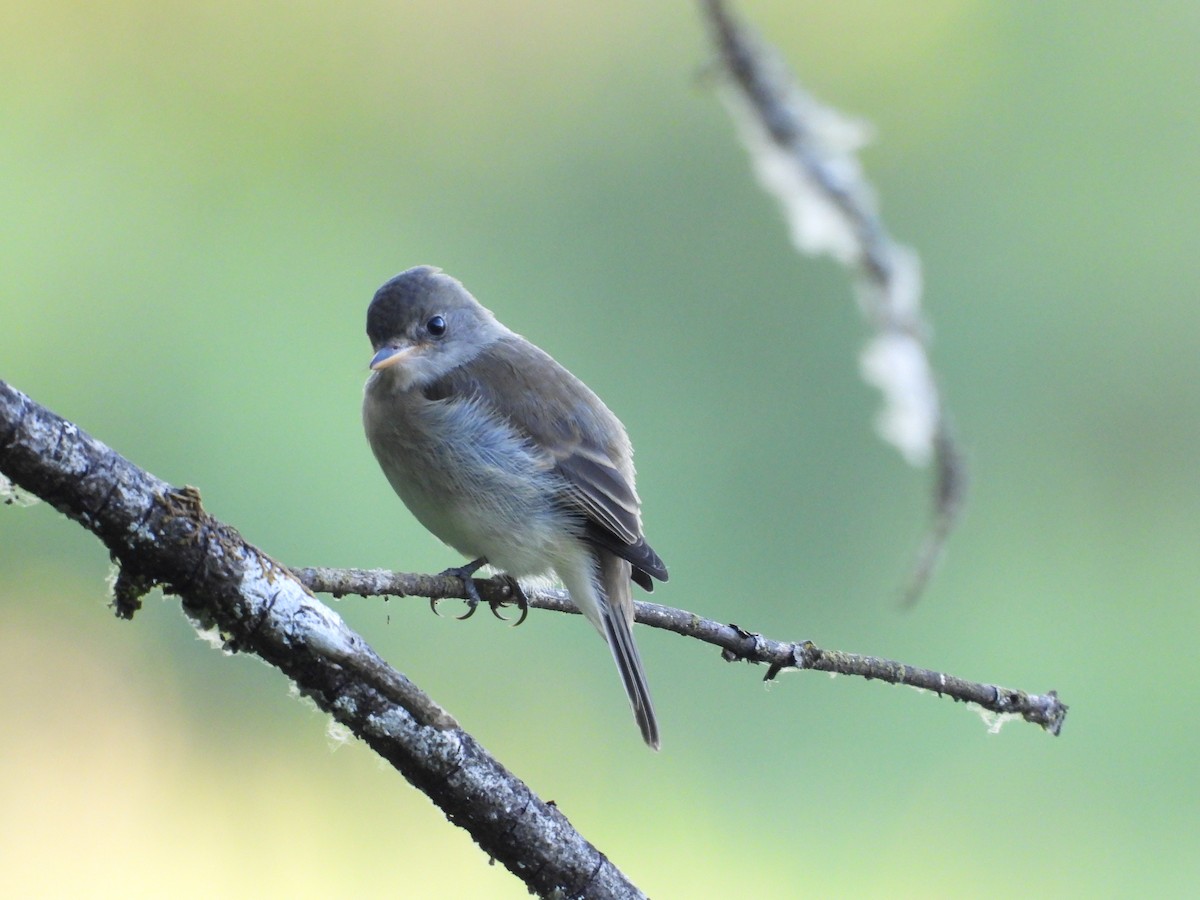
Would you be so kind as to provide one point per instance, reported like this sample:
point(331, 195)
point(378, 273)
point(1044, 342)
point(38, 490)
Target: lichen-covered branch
point(161, 536)
point(735, 642)
point(804, 155)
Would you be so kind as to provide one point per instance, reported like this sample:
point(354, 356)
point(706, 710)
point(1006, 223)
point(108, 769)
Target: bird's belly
point(477, 486)
point(516, 533)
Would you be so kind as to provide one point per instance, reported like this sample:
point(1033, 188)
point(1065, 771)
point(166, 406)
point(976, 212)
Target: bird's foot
point(516, 594)
point(465, 575)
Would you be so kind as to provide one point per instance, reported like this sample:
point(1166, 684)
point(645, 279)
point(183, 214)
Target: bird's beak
point(389, 356)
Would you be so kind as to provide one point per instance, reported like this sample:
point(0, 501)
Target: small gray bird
point(507, 457)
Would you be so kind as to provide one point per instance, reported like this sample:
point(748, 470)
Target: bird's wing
point(584, 442)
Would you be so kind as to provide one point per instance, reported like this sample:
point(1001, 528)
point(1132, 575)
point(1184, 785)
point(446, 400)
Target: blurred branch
point(735, 642)
point(162, 537)
point(804, 155)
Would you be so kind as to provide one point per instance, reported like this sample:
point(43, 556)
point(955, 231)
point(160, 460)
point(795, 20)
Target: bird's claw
point(518, 597)
point(465, 575)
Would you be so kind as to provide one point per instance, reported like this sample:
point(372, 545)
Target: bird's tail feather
point(616, 619)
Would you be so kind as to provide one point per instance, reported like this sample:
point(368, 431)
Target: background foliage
point(198, 202)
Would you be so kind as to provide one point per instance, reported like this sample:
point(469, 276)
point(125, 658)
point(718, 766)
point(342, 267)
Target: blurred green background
point(198, 202)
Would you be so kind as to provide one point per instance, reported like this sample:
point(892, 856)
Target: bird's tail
point(616, 624)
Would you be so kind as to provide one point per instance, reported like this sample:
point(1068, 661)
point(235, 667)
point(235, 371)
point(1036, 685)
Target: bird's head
point(423, 324)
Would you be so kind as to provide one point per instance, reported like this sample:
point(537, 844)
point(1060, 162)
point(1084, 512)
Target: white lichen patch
point(994, 720)
point(210, 635)
point(142, 532)
point(816, 224)
point(11, 495)
point(110, 581)
point(896, 364)
point(337, 735)
point(298, 617)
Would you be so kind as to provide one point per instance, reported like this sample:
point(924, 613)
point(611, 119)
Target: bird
point(508, 458)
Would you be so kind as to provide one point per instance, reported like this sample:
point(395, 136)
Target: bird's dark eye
point(436, 326)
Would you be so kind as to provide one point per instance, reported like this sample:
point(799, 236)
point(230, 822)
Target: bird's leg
point(518, 596)
point(464, 574)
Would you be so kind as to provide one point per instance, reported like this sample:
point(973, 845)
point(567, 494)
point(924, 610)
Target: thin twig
point(804, 155)
point(736, 643)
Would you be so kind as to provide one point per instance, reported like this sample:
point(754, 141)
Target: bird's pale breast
point(470, 478)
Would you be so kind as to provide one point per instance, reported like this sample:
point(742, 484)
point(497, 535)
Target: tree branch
point(735, 642)
point(162, 537)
